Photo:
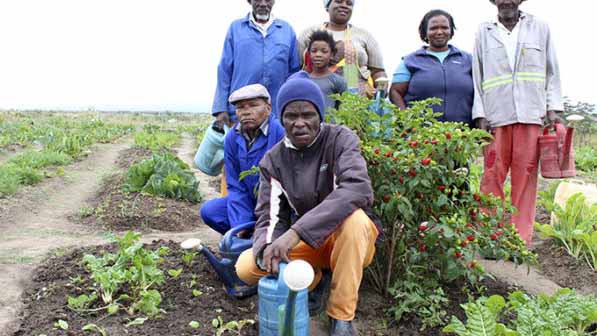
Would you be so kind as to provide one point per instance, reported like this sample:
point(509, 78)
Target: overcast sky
point(163, 55)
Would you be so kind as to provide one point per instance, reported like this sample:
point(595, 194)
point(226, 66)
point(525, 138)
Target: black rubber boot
point(342, 328)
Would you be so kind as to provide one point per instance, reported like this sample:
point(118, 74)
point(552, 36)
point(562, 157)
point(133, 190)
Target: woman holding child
point(358, 58)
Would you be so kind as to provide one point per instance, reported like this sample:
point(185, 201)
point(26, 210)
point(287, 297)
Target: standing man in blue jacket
point(259, 48)
point(245, 145)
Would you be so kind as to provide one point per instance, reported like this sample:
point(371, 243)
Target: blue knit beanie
point(300, 87)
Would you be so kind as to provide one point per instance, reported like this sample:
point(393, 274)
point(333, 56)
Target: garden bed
point(46, 301)
point(113, 209)
point(557, 265)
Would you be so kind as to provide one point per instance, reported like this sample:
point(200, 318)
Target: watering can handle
point(227, 240)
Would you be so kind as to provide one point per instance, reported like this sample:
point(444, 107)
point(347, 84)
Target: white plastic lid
point(575, 117)
point(191, 244)
point(298, 275)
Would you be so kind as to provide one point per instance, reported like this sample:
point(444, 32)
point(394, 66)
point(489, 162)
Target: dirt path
point(36, 222)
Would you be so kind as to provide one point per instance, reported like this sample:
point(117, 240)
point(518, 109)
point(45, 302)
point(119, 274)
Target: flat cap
point(250, 92)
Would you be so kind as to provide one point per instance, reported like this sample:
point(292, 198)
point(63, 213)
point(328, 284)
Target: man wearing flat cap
point(258, 48)
point(314, 196)
point(517, 90)
point(255, 133)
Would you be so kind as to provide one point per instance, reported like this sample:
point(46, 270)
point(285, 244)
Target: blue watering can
point(231, 246)
point(283, 301)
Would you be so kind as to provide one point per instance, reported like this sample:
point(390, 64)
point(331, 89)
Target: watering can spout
point(230, 248)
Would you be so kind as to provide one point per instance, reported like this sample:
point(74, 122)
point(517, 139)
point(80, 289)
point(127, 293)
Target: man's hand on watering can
point(278, 251)
point(552, 118)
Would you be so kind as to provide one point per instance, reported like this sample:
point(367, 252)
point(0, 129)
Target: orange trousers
point(346, 252)
point(515, 148)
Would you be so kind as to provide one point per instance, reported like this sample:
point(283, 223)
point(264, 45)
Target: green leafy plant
point(61, 324)
point(156, 140)
point(133, 266)
point(481, 319)
point(188, 257)
point(426, 299)
point(575, 228)
point(233, 327)
point(81, 302)
point(546, 198)
point(175, 273)
point(95, 328)
point(194, 324)
point(163, 175)
point(434, 225)
point(586, 159)
point(564, 314)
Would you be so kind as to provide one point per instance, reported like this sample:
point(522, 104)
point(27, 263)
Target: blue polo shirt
point(449, 78)
point(250, 58)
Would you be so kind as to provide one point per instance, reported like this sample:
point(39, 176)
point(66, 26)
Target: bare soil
point(556, 264)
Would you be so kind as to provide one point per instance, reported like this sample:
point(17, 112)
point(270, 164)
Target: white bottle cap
point(192, 243)
point(298, 275)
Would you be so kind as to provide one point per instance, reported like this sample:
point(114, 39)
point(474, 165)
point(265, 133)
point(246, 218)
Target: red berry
point(470, 238)
point(463, 244)
point(388, 154)
point(420, 196)
point(413, 144)
point(377, 150)
point(448, 136)
point(458, 255)
point(469, 225)
point(477, 197)
point(422, 248)
point(494, 236)
point(426, 142)
point(386, 198)
point(442, 188)
point(412, 173)
point(423, 227)
point(396, 159)
point(434, 142)
point(401, 179)
point(426, 161)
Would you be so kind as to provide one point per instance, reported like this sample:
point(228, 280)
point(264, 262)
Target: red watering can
point(556, 153)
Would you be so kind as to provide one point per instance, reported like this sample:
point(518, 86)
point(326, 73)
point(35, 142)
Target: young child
point(322, 49)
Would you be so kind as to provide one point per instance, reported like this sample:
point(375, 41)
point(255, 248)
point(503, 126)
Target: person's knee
point(355, 227)
point(246, 267)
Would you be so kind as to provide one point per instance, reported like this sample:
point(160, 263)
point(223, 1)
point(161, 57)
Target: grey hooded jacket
point(506, 96)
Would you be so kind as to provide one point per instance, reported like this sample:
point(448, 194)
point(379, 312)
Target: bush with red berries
point(434, 226)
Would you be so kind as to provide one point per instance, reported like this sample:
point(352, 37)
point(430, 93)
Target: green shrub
point(433, 223)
